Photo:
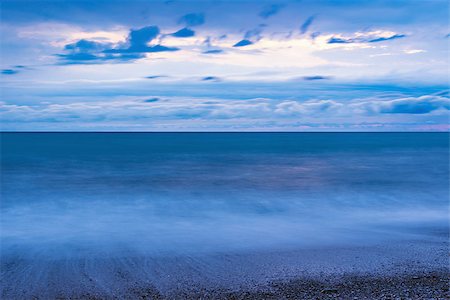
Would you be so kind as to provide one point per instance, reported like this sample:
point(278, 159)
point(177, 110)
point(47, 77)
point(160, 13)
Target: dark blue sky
point(270, 65)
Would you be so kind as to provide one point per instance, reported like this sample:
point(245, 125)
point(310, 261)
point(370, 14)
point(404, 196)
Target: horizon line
point(1, 132)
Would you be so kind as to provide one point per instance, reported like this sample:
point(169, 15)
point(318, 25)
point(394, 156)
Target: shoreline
point(407, 270)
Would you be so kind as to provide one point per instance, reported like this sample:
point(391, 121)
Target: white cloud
point(410, 105)
point(184, 112)
point(414, 51)
point(60, 34)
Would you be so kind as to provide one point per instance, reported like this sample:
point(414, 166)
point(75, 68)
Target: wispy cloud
point(9, 71)
point(151, 100)
point(156, 76)
point(414, 51)
point(305, 26)
point(213, 51)
point(270, 10)
point(192, 19)
point(211, 78)
point(13, 70)
point(251, 36)
point(316, 77)
point(366, 37)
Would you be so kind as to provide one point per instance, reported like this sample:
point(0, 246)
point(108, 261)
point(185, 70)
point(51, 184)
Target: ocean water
point(157, 194)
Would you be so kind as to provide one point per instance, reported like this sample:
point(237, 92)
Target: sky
point(305, 65)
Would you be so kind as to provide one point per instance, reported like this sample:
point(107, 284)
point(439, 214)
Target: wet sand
point(415, 269)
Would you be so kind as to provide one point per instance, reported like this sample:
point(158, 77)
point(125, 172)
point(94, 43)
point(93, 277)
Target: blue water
point(157, 193)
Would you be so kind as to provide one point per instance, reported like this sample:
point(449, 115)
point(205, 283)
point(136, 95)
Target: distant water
point(71, 194)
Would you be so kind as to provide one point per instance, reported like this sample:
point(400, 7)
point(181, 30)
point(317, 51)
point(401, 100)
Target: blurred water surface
point(157, 193)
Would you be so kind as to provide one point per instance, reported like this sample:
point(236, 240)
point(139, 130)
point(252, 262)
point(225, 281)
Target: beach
point(409, 270)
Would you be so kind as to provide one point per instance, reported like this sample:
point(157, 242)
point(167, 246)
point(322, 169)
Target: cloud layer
point(193, 112)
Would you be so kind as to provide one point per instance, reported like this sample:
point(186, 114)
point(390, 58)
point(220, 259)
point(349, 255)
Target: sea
point(159, 194)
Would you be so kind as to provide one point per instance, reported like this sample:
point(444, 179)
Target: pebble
point(329, 291)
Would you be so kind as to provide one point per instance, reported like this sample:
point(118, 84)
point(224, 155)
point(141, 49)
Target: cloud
point(254, 34)
point(9, 71)
point(180, 111)
point(89, 52)
point(336, 40)
point(270, 10)
point(143, 49)
point(369, 37)
point(316, 77)
point(210, 78)
point(85, 51)
point(81, 57)
point(314, 107)
point(305, 26)
point(13, 70)
point(138, 42)
point(444, 93)
point(155, 99)
point(83, 46)
point(382, 39)
point(89, 58)
point(414, 51)
point(251, 36)
point(210, 48)
point(314, 34)
point(243, 43)
point(140, 37)
point(192, 19)
point(213, 51)
point(184, 32)
point(156, 76)
point(420, 105)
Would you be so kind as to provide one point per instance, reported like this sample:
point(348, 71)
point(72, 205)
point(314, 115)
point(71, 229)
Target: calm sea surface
point(158, 193)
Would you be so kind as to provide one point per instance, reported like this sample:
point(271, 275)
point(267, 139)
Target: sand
point(414, 269)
